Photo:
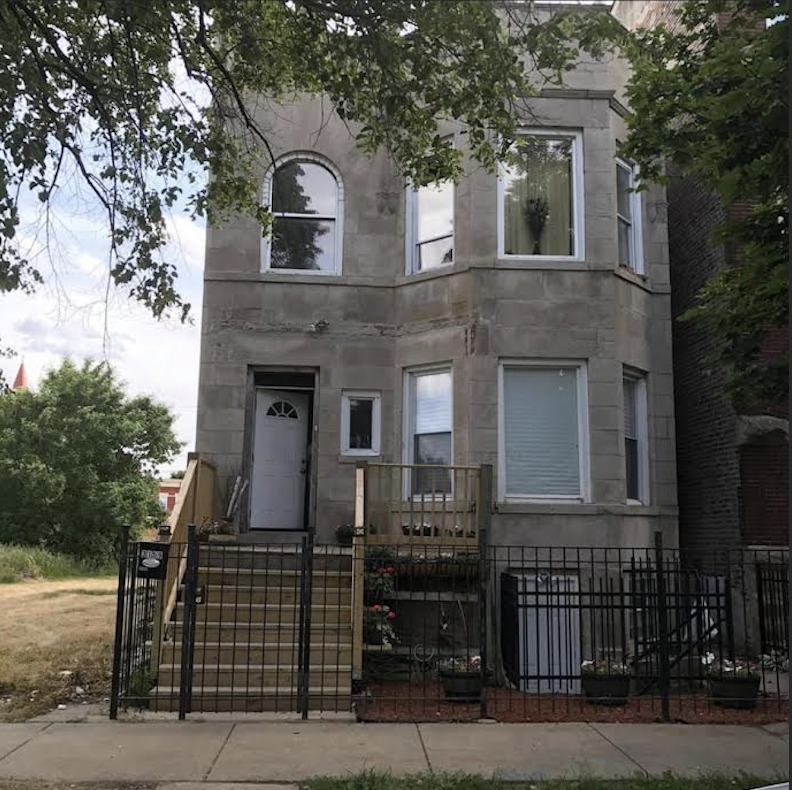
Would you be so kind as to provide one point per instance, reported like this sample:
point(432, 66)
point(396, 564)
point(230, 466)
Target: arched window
point(282, 408)
point(305, 196)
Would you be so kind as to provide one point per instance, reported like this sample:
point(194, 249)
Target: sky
point(68, 317)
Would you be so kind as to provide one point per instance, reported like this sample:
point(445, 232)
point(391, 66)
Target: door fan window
point(282, 408)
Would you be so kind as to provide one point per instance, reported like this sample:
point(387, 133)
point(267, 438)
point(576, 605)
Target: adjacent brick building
point(732, 464)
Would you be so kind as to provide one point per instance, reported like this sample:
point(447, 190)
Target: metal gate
point(253, 628)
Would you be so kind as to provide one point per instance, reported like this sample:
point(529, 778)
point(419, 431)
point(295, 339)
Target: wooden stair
point(247, 634)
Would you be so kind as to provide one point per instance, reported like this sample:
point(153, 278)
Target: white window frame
point(408, 422)
point(266, 198)
point(411, 254)
point(578, 199)
point(642, 424)
point(376, 421)
point(584, 468)
point(636, 224)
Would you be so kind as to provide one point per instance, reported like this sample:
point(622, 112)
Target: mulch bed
point(410, 702)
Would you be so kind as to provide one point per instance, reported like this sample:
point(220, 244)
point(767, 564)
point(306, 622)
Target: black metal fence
point(526, 633)
point(242, 635)
point(513, 633)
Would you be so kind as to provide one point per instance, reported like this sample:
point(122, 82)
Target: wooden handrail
point(194, 504)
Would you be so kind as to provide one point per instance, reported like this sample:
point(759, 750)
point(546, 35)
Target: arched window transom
point(282, 408)
point(305, 199)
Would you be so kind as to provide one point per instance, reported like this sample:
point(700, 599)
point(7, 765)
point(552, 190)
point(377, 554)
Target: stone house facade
point(519, 319)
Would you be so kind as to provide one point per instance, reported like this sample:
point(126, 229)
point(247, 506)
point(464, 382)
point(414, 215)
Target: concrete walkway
point(181, 754)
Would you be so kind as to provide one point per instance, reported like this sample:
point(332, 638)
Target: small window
point(628, 218)
point(543, 432)
point(430, 227)
point(304, 197)
point(540, 197)
point(636, 457)
point(360, 423)
point(429, 431)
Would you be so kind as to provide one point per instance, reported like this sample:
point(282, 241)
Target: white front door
point(280, 462)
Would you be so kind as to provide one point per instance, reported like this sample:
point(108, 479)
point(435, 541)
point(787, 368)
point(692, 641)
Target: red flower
point(390, 569)
point(376, 608)
point(391, 615)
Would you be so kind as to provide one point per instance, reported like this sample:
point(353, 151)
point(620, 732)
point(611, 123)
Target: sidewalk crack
point(26, 742)
point(618, 748)
point(219, 752)
point(423, 746)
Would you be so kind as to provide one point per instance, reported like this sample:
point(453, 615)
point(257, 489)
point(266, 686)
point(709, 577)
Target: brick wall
point(708, 472)
point(764, 493)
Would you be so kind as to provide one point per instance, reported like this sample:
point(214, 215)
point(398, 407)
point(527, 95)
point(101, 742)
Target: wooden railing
point(414, 505)
point(194, 505)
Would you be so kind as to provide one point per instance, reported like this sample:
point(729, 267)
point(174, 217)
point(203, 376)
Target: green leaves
point(711, 96)
point(140, 102)
point(77, 459)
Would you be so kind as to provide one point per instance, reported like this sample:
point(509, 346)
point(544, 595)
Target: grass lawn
point(54, 637)
point(378, 781)
point(20, 563)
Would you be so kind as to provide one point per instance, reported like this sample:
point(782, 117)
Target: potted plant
point(345, 534)
point(217, 530)
point(461, 678)
point(378, 625)
point(379, 583)
point(537, 212)
point(605, 682)
point(732, 684)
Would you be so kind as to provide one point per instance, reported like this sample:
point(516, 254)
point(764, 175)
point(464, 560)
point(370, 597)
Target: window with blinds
point(636, 460)
point(541, 432)
point(431, 440)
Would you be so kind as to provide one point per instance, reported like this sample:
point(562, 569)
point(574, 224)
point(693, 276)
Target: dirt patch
point(426, 702)
point(13, 784)
point(55, 644)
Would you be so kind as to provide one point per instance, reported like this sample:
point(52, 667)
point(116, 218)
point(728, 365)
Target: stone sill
point(583, 509)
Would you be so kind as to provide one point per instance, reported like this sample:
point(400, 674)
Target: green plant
point(141, 681)
point(18, 563)
point(380, 583)
point(604, 668)
point(726, 669)
point(461, 665)
point(378, 622)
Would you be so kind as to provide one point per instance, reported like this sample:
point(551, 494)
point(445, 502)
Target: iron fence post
point(484, 506)
point(188, 623)
point(115, 689)
point(662, 629)
point(305, 625)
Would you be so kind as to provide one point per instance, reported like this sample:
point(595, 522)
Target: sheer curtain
point(538, 199)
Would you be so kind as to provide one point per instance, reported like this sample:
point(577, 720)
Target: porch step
point(252, 677)
point(332, 558)
point(217, 699)
point(242, 652)
point(277, 595)
point(206, 631)
point(224, 613)
point(257, 577)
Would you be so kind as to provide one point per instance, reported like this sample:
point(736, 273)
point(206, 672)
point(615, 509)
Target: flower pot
point(221, 538)
point(462, 686)
point(606, 689)
point(737, 693)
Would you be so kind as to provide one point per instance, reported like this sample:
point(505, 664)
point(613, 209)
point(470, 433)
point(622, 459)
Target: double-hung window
point(430, 227)
point(628, 218)
point(540, 198)
point(636, 446)
point(543, 427)
point(360, 423)
point(429, 432)
point(304, 196)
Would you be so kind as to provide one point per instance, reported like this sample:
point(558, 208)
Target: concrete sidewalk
point(289, 751)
